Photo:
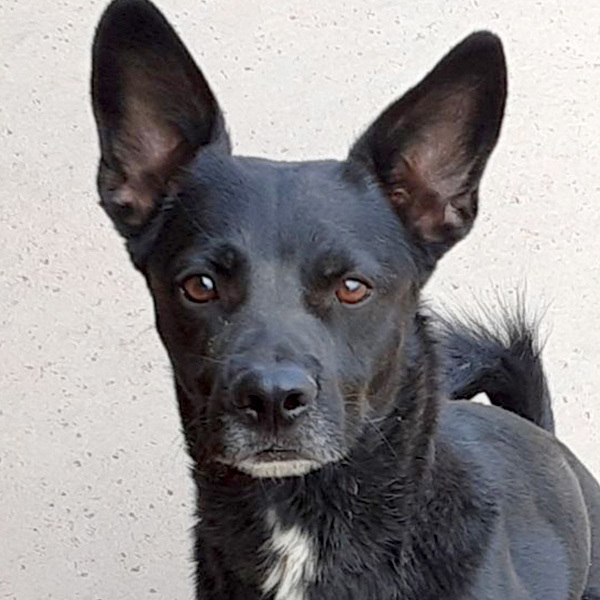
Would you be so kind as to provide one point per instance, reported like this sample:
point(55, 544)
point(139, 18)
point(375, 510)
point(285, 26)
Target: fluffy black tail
point(500, 356)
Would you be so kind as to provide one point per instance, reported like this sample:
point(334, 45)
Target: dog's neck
point(372, 502)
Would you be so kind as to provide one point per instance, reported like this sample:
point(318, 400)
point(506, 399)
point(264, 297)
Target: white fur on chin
point(278, 468)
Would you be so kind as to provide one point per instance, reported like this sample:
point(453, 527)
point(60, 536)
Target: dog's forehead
point(271, 185)
point(274, 201)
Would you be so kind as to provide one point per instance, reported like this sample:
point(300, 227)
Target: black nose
point(274, 395)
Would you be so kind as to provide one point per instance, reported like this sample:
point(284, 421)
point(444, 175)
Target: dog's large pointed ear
point(153, 108)
point(428, 150)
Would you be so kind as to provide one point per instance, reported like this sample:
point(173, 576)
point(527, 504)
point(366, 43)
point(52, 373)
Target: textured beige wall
point(94, 496)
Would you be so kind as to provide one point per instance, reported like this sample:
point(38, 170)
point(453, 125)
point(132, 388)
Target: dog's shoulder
point(467, 421)
point(500, 440)
point(534, 481)
point(528, 468)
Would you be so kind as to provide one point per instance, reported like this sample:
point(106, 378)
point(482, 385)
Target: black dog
point(327, 464)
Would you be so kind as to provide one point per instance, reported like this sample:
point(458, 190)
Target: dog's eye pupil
point(199, 288)
point(352, 291)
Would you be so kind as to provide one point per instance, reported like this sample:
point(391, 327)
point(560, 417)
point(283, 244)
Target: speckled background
point(95, 501)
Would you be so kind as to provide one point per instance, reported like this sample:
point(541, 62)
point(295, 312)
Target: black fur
point(377, 514)
point(498, 355)
point(326, 460)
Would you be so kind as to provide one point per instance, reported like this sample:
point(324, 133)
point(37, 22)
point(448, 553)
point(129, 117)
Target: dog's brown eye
point(352, 291)
point(199, 288)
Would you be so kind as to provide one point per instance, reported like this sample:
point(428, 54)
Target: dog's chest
point(291, 557)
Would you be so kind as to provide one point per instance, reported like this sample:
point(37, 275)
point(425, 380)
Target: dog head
point(284, 292)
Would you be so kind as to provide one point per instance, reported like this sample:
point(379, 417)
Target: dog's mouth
point(275, 453)
point(275, 462)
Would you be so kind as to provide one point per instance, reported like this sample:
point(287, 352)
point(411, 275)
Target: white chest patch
point(295, 563)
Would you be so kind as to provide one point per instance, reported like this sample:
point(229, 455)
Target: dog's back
point(499, 354)
point(535, 482)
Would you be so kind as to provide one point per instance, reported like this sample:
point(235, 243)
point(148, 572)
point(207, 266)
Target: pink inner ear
point(425, 209)
point(151, 138)
point(149, 150)
point(438, 153)
point(421, 208)
point(427, 185)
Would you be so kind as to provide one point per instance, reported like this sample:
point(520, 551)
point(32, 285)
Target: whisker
point(375, 426)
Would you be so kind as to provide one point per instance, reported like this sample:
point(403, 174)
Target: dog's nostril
point(255, 404)
point(293, 402)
